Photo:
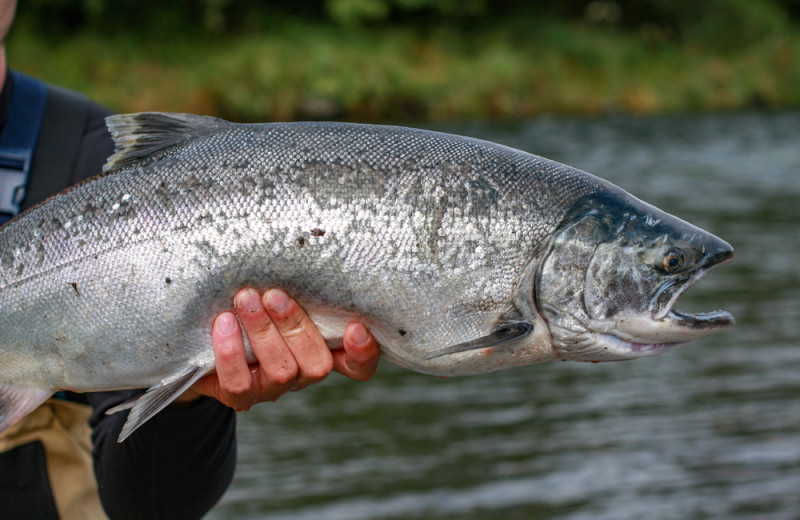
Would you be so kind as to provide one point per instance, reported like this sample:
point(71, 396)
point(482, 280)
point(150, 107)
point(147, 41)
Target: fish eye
point(673, 261)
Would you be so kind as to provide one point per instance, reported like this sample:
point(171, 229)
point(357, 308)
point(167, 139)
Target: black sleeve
point(177, 465)
point(180, 462)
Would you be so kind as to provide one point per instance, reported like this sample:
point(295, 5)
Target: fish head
point(614, 270)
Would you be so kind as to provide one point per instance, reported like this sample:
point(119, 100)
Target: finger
point(277, 368)
point(359, 358)
point(313, 357)
point(233, 379)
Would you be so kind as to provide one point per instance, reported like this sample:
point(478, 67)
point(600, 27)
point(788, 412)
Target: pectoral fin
point(157, 397)
point(18, 401)
point(506, 335)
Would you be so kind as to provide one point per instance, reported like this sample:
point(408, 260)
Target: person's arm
point(178, 464)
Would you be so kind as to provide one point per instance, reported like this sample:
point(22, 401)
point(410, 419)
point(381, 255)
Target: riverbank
point(503, 69)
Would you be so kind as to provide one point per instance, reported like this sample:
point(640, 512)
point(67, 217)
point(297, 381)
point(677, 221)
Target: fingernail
point(359, 335)
point(248, 300)
point(226, 323)
point(278, 301)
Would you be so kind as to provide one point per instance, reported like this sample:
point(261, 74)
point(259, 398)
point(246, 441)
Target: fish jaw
point(638, 336)
point(643, 336)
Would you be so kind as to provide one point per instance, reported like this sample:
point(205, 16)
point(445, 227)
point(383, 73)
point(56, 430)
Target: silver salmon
point(461, 257)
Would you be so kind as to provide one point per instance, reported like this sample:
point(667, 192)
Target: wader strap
point(18, 141)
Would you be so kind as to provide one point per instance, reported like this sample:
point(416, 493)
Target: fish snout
point(717, 251)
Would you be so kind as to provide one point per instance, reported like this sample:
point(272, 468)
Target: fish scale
point(433, 241)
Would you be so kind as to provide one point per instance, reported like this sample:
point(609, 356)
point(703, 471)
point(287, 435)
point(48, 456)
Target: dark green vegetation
point(415, 59)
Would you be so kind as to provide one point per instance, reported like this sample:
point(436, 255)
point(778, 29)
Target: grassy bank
point(503, 68)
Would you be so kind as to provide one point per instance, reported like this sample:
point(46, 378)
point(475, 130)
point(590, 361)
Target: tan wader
point(63, 429)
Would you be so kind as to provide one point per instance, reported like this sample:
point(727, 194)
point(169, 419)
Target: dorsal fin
point(138, 135)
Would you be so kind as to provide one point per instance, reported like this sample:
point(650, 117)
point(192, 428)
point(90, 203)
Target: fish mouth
point(686, 326)
point(663, 302)
point(664, 325)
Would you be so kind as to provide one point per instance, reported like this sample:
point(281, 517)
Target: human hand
point(290, 351)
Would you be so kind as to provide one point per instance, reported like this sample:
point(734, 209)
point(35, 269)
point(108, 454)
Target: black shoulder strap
point(63, 126)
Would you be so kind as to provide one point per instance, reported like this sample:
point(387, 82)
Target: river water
point(710, 430)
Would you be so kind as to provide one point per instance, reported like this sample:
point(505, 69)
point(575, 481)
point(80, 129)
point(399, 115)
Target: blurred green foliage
point(400, 59)
point(716, 22)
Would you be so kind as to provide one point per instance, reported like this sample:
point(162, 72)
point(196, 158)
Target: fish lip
point(704, 320)
point(709, 321)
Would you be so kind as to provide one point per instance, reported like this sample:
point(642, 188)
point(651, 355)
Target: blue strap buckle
point(15, 165)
